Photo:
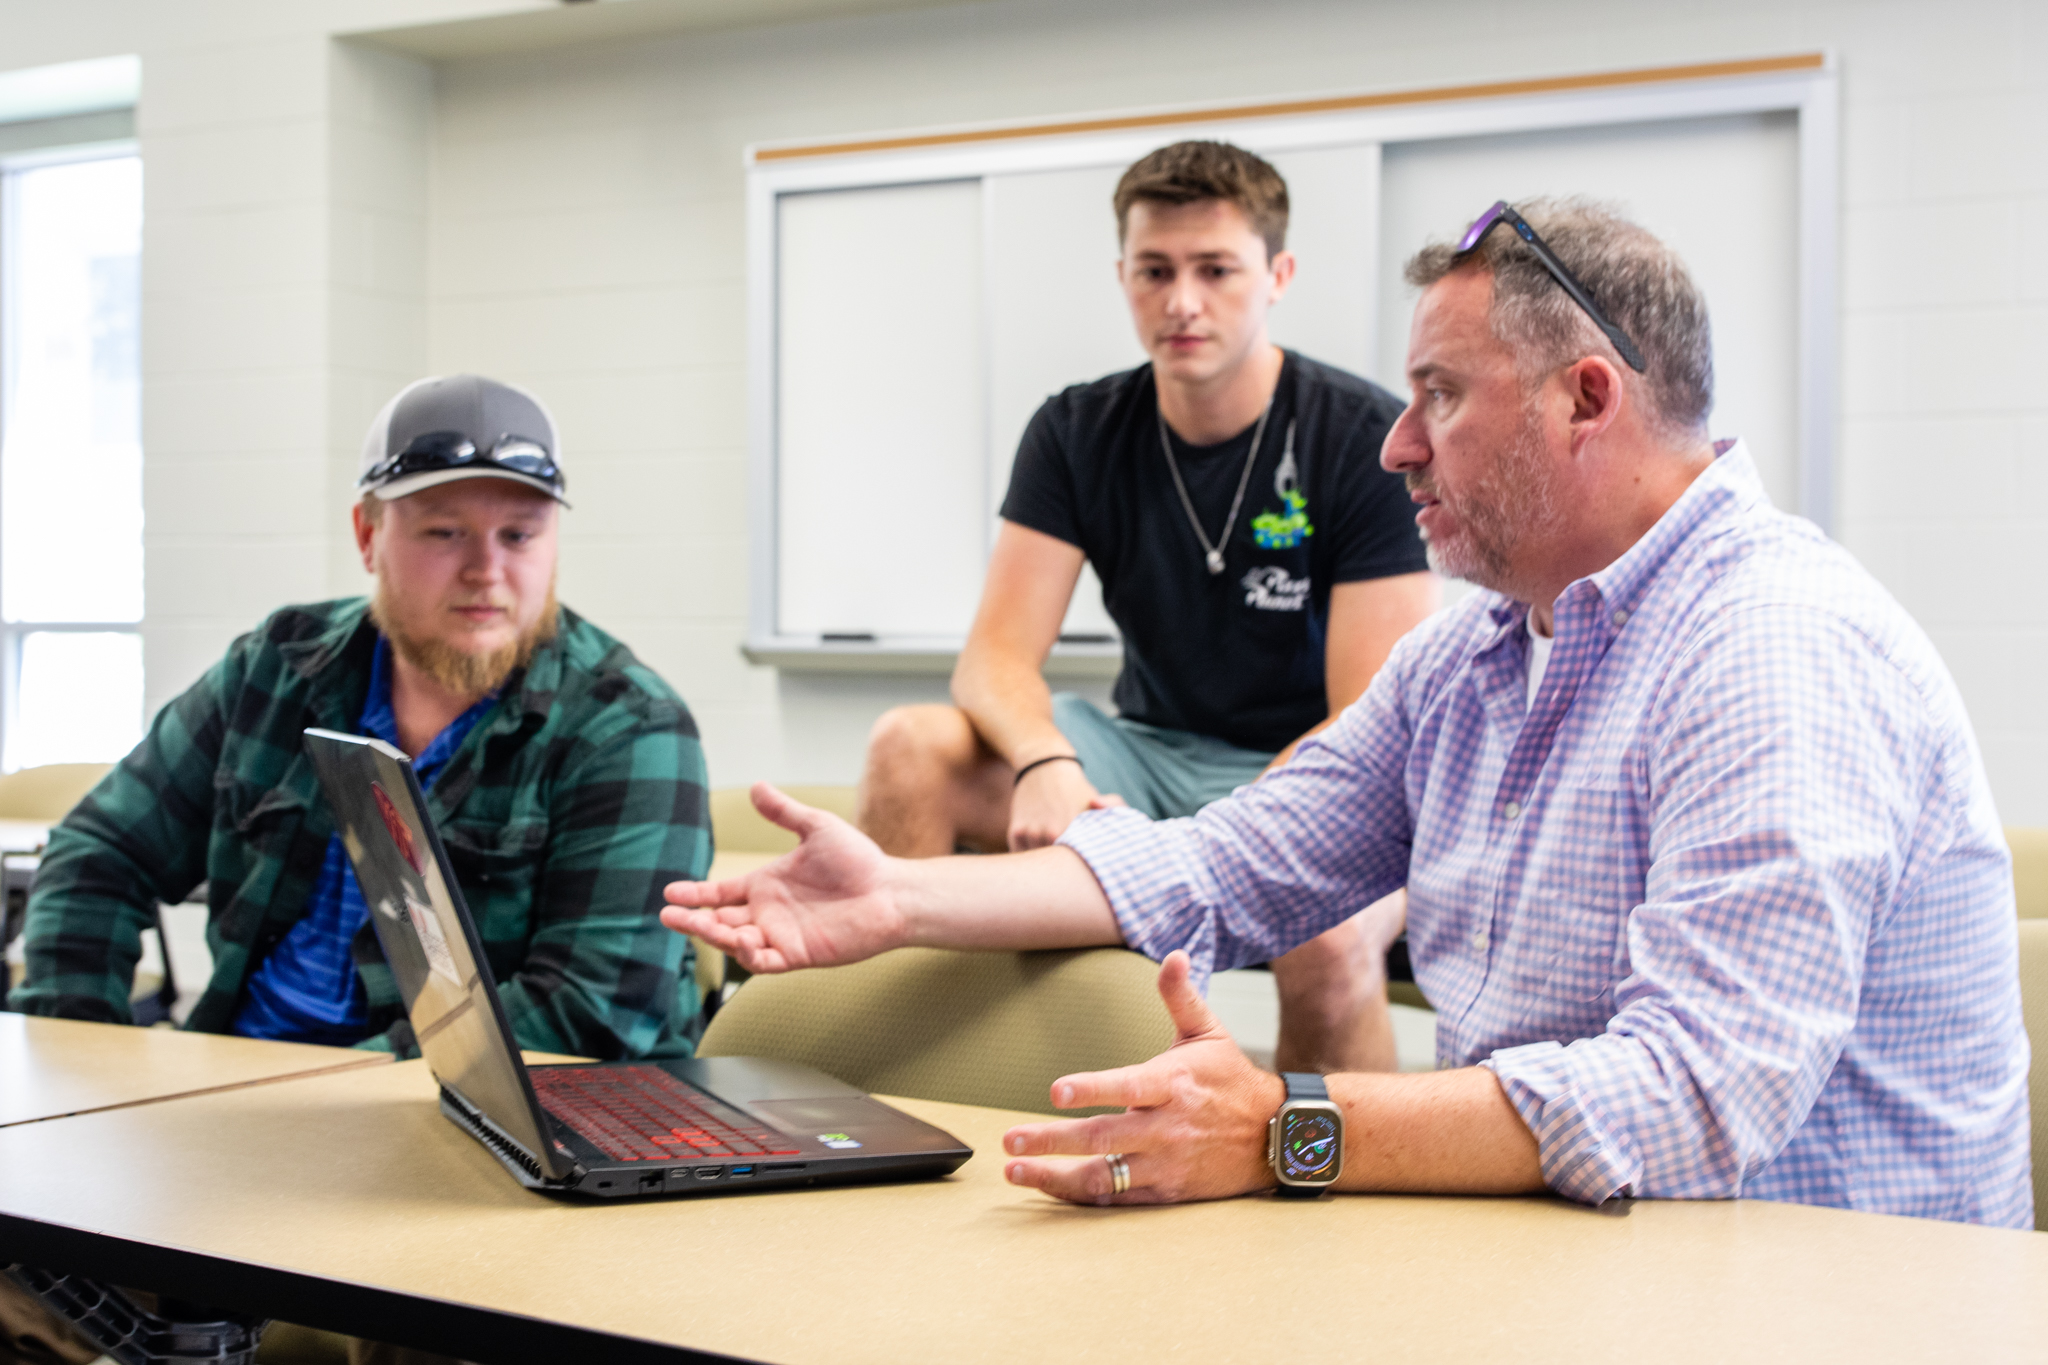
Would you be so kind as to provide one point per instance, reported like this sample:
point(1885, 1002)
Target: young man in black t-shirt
point(1257, 560)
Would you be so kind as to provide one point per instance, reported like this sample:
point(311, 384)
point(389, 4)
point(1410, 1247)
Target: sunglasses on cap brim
point(432, 452)
point(1502, 212)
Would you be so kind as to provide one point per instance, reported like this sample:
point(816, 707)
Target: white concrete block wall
point(380, 116)
point(235, 306)
point(238, 293)
point(583, 236)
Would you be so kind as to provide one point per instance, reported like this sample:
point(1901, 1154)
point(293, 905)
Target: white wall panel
point(1333, 231)
point(880, 410)
point(1056, 317)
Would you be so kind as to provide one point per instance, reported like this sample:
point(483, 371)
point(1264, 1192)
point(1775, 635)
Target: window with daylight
point(70, 460)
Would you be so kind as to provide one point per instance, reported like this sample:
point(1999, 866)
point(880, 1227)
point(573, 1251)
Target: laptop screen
point(427, 935)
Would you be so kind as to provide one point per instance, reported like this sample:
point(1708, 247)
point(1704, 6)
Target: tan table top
point(382, 1191)
point(53, 1067)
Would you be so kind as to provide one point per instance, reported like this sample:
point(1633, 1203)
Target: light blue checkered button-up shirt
point(1727, 908)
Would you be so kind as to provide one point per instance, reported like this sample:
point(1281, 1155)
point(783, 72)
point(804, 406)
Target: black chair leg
point(174, 1333)
point(156, 1009)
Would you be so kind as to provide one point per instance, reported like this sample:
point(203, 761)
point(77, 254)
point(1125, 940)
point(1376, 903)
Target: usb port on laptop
point(739, 1171)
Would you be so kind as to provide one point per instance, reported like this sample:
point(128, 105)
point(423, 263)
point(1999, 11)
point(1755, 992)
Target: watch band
point(1305, 1085)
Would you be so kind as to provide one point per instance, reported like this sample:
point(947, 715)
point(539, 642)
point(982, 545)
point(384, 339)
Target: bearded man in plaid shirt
point(1704, 876)
point(566, 777)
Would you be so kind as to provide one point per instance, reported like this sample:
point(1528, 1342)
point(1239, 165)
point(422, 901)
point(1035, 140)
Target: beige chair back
point(2034, 1001)
point(736, 827)
point(2029, 870)
point(974, 1028)
point(48, 793)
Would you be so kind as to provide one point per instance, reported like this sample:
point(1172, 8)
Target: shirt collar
point(1727, 487)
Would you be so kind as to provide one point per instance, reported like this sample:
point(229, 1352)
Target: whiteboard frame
point(1811, 94)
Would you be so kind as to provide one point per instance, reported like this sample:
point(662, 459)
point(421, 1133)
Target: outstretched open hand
point(1195, 1126)
point(824, 903)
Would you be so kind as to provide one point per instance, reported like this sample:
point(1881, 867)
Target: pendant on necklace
point(1215, 561)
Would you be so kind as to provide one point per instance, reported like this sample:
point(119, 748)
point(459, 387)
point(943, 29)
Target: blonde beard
point(466, 674)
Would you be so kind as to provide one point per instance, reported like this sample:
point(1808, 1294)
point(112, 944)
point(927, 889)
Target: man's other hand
point(826, 902)
point(1195, 1126)
point(1046, 802)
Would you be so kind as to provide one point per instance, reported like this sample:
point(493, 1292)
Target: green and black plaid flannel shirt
point(566, 810)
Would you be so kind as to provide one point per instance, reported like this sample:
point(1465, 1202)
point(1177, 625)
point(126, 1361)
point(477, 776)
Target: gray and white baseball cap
point(460, 426)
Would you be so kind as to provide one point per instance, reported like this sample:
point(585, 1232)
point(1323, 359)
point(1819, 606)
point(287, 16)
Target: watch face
point(1310, 1145)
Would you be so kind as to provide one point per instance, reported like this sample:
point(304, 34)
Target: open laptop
point(613, 1130)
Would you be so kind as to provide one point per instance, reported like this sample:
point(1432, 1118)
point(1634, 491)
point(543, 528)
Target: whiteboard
point(1723, 192)
point(882, 397)
point(1057, 318)
point(914, 301)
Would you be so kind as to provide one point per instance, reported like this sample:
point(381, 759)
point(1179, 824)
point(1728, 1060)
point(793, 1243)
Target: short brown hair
point(1187, 172)
point(1637, 280)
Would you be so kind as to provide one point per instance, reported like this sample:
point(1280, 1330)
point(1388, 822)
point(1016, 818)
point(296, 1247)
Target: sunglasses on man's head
point(1500, 213)
point(433, 451)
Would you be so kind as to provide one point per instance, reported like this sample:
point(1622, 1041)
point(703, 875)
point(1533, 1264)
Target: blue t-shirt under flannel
point(307, 990)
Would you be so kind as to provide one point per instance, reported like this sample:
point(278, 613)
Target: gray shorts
point(1164, 773)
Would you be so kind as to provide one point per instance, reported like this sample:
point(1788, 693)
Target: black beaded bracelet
point(1041, 762)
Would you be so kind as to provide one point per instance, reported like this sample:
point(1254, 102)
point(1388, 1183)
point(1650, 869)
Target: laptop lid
point(428, 936)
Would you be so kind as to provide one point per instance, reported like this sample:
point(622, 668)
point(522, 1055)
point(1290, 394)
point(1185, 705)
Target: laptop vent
point(512, 1150)
point(498, 1142)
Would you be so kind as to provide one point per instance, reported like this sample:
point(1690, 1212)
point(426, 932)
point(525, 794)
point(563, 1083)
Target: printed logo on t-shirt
point(1283, 531)
point(1271, 588)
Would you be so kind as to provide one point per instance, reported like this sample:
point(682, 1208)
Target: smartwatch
point(1305, 1140)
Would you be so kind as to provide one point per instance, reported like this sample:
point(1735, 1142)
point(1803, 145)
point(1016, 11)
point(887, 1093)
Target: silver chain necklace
point(1213, 554)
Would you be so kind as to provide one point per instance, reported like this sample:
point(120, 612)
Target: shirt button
point(1481, 940)
point(1620, 619)
point(1512, 810)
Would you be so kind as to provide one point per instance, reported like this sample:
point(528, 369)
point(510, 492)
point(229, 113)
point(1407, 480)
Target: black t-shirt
point(1236, 655)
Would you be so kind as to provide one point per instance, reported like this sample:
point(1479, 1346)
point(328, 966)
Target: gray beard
point(1499, 513)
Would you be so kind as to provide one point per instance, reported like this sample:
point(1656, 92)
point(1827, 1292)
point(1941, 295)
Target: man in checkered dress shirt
point(1704, 877)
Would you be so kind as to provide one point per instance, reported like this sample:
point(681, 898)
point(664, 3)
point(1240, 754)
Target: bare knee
point(918, 794)
point(918, 744)
point(1347, 963)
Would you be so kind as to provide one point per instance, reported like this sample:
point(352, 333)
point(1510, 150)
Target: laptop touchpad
point(842, 1120)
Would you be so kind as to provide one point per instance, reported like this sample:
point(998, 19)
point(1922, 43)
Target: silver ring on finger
point(1119, 1173)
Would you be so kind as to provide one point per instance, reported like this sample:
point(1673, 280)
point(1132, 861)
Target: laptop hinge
point(511, 1151)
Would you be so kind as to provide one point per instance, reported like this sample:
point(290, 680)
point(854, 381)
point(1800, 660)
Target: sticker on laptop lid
point(401, 833)
point(837, 1140)
point(427, 926)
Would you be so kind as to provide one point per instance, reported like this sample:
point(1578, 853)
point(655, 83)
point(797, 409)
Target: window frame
point(14, 633)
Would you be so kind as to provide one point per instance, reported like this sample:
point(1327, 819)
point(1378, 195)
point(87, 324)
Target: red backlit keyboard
point(641, 1113)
